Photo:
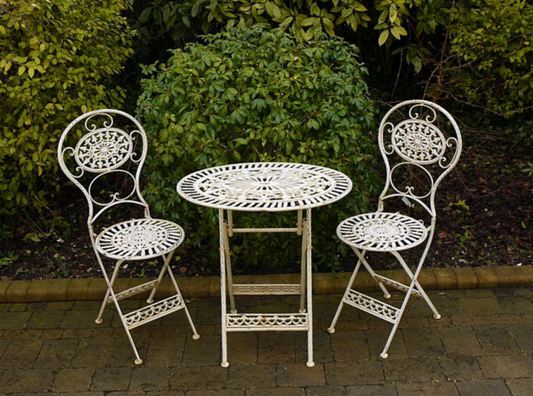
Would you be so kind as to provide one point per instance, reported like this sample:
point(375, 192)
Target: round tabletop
point(265, 186)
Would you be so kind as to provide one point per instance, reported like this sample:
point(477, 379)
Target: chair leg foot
point(224, 364)
point(196, 337)
point(233, 311)
point(303, 310)
point(384, 355)
point(150, 300)
point(98, 321)
point(387, 296)
point(310, 364)
point(331, 330)
point(138, 362)
point(437, 316)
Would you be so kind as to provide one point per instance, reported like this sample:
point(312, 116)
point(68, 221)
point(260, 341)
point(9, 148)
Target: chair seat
point(382, 232)
point(139, 239)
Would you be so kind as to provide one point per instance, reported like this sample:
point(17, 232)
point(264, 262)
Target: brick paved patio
point(483, 345)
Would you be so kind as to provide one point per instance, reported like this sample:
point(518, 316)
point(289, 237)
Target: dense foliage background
point(259, 95)
point(59, 59)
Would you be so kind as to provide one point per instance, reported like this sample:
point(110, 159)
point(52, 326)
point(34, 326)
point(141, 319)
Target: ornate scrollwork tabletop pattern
point(139, 239)
point(382, 231)
point(266, 186)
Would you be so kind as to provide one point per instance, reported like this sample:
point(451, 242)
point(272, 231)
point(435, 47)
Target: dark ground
point(485, 210)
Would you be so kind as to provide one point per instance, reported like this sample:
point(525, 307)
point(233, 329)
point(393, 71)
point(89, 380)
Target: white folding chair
point(417, 139)
point(112, 144)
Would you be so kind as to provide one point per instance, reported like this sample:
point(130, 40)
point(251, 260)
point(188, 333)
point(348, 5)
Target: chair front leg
point(104, 303)
point(386, 293)
point(166, 259)
point(331, 328)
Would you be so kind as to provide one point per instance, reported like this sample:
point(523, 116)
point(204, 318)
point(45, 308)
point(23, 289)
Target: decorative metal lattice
point(382, 231)
point(153, 311)
point(255, 289)
point(139, 239)
point(278, 322)
point(371, 305)
point(103, 150)
point(418, 141)
point(267, 186)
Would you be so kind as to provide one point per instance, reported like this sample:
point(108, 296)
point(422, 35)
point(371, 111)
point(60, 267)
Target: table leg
point(223, 309)
point(308, 235)
point(303, 270)
point(228, 225)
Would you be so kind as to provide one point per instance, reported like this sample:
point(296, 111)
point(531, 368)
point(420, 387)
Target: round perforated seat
point(382, 232)
point(139, 239)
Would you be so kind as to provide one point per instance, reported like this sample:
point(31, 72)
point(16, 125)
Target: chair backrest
point(104, 144)
point(417, 137)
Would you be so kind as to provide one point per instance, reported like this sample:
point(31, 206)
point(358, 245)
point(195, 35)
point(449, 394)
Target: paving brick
point(516, 305)
point(198, 378)
point(349, 346)
point(496, 340)
point(427, 389)
point(506, 367)
point(166, 351)
point(480, 306)
point(354, 373)
point(326, 391)
point(276, 348)
point(84, 318)
point(497, 320)
point(460, 341)
point(483, 387)
point(21, 354)
point(81, 394)
point(521, 387)
point(412, 370)
point(371, 390)
point(242, 348)
point(45, 320)
point(165, 393)
point(299, 375)
point(59, 306)
point(93, 352)
point(276, 392)
point(24, 380)
point(73, 380)
point(204, 352)
point(523, 336)
point(461, 368)
point(149, 378)
point(56, 353)
point(422, 342)
point(18, 307)
point(12, 320)
point(17, 291)
point(252, 376)
point(3, 346)
point(122, 353)
point(222, 392)
point(111, 379)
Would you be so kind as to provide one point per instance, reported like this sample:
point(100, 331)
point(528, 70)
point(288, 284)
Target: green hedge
point(259, 95)
point(56, 61)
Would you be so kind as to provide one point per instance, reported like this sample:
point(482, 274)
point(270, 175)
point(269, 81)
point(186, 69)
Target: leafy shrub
point(491, 63)
point(259, 95)
point(56, 61)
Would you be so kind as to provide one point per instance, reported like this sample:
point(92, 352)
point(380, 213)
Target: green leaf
point(383, 37)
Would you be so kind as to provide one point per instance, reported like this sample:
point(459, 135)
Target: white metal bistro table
point(265, 187)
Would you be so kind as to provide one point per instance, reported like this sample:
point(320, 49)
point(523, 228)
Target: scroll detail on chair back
point(106, 147)
point(420, 143)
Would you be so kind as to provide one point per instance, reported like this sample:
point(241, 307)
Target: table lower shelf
point(266, 289)
point(267, 322)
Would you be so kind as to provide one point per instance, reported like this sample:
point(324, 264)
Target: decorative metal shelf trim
point(398, 285)
point(382, 231)
point(267, 322)
point(139, 239)
point(257, 289)
point(265, 186)
point(371, 305)
point(133, 291)
point(153, 311)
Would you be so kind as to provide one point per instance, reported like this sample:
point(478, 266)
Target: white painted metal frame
point(418, 142)
point(265, 187)
point(93, 146)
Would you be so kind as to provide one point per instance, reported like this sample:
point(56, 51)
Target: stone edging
point(209, 286)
